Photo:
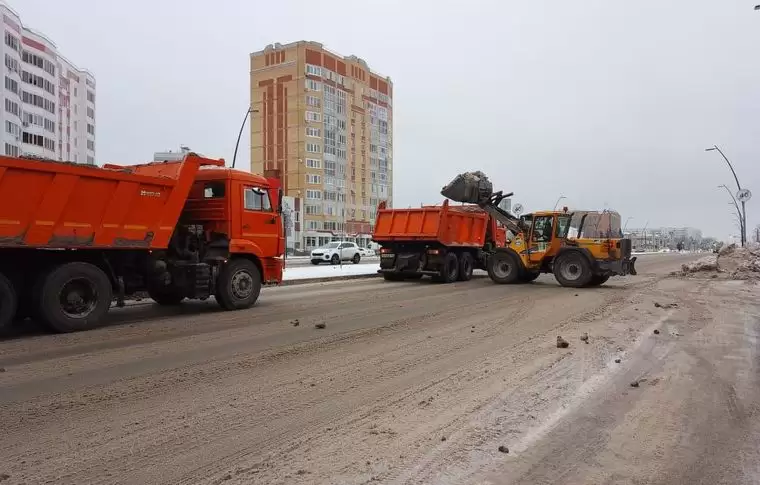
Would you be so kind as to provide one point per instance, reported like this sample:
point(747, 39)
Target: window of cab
point(257, 199)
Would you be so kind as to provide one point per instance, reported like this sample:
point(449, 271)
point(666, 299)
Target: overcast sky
point(608, 103)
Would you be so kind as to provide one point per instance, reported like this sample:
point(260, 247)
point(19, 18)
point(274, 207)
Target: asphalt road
point(408, 382)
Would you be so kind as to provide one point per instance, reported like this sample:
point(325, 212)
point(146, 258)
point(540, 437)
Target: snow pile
point(740, 263)
point(732, 262)
point(708, 263)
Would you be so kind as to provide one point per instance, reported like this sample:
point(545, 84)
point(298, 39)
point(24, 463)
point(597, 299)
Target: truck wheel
point(503, 268)
point(75, 296)
point(239, 285)
point(573, 270)
point(356, 258)
point(598, 280)
point(466, 265)
point(335, 259)
point(167, 296)
point(8, 302)
point(529, 276)
point(450, 270)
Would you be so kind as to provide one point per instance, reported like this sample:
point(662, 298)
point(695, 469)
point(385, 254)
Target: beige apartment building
point(322, 123)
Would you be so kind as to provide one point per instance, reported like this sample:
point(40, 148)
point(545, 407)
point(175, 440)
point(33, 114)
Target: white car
point(366, 252)
point(334, 252)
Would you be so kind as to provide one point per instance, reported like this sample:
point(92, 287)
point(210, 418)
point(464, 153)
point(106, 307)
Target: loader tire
point(239, 285)
point(8, 302)
point(74, 296)
point(598, 280)
point(504, 268)
point(573, 270)
point(466, 265)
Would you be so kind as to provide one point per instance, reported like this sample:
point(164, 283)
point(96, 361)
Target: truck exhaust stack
point(469, 187)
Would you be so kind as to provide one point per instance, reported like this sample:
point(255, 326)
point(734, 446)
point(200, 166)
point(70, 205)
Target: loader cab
point(545, 232)
point(243, 208)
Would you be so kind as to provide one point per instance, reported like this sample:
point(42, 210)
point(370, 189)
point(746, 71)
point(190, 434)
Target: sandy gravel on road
point(408, 383)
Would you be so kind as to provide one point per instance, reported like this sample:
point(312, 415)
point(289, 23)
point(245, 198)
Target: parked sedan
point(335, 252)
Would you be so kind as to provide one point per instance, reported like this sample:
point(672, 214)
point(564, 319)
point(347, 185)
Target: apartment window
point(90, 96)
point(38, 81)
point(11, 150)
point(313, 178)
point(257, 199)
point(12, 128)
point(11, 63)
point(313, 148)
point(313, 209)
point(12, 107)
point(315, 132)
point(313, 225)
point(90, 160)
point(313, 163)
point(313, 85)
point(49, 125)
point(11, 85)
point(313, 116)
point(12, 41)
point(91, 145)
point(314, 195)
point(313, 70)
point(90, 113)
point(91, 129)
point(312, 101)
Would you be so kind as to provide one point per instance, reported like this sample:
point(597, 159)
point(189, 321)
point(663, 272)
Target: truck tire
point(239, 285)
point(503, 268)
point(450, 270)
point(8, 302)
point(466, 265)
point(598, 280)
point(529, 276)
point(573, 270)
point(356, 259)
point(74, 297)
point(166, 296)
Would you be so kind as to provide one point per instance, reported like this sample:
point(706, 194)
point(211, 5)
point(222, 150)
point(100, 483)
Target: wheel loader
point(581, 248)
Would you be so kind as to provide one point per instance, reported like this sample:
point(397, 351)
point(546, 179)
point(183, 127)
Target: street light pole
point(626, 223)
point(742, 229)
point(739, 186)
point(556, 203)
point(242, 125)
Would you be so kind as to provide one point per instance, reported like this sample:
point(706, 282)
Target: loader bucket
point(469, 187)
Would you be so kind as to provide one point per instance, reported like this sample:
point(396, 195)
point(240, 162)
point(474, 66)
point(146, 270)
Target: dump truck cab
point(240, 215)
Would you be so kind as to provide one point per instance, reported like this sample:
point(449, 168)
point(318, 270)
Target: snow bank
point(329, 271)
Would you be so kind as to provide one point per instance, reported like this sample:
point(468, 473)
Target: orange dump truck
point(73, 238)
point(442, 241)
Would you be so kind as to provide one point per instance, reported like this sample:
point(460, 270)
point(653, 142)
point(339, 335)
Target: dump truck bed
point(455, 226)
point(65, 205)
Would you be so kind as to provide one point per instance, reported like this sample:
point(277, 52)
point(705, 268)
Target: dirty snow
point(329, 271)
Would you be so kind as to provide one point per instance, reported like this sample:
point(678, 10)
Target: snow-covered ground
point(328, 271)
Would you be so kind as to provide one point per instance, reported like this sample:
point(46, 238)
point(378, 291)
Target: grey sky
point(605, 102)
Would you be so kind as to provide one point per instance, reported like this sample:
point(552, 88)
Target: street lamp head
point(711, 149)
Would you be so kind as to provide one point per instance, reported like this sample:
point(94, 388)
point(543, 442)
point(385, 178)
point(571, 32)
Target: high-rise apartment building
point(322, 123)
point(48, 104)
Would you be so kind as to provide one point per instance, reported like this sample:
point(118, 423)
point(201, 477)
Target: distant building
point(48, 104)
point(170, 156)
point(322, 123)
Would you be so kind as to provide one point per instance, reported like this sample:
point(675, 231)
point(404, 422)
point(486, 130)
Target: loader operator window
point(542, 229)
point(257, 199)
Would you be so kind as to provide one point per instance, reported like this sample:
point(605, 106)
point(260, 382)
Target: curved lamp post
point(556, 203)
point(739, 186)
point(237, 144)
